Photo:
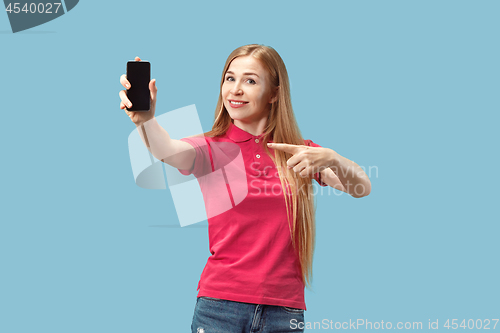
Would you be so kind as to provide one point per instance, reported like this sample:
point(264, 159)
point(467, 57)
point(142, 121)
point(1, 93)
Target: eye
point(230, 78)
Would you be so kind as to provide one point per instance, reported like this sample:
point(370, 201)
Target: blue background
point(409, 88)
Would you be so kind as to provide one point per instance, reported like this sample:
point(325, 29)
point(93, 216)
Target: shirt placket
point(257, 154)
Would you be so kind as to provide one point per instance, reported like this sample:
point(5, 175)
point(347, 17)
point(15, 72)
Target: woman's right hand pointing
point(138, 117)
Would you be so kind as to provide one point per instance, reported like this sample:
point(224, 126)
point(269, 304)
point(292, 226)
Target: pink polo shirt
point(252, 258)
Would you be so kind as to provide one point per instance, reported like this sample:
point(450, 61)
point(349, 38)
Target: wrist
point(140, 123)
point(334, 158)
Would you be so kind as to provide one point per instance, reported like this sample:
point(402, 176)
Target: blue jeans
point(213, 315)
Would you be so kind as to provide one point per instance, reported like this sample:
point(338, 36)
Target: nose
point(236, 89)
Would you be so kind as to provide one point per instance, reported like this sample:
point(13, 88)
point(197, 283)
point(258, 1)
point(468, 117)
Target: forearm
point(156, 139)
point(351, 175)
point(179, 154)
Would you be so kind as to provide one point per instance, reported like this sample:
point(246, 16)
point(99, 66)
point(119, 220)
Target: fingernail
point(269, 143)
point(127, 85)
point(129, 104)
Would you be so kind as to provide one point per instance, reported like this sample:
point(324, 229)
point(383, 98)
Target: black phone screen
point(138, 74)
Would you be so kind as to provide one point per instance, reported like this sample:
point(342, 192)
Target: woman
point(262, 245)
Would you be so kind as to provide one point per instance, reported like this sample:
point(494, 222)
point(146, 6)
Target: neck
point(255, 128)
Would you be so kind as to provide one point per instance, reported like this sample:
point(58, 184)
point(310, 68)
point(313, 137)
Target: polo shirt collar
point(238, 135)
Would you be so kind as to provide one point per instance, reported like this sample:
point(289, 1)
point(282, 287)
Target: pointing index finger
point(292, 149)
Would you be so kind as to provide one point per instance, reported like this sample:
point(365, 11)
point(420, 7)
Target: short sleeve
point(317, 175)
point(203, 161)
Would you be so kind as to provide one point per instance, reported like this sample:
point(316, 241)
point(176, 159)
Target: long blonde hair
point(282, 127)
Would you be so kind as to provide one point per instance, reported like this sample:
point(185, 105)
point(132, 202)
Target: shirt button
point(257, 140)
point(258, 156)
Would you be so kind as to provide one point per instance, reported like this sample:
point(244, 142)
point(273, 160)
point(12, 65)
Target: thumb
point(153, 88)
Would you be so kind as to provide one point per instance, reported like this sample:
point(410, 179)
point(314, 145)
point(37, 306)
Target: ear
point(275, 95)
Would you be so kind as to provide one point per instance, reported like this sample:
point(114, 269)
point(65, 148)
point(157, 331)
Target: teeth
point(236, 102)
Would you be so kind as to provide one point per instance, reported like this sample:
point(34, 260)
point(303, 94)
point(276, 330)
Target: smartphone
point(139, 75)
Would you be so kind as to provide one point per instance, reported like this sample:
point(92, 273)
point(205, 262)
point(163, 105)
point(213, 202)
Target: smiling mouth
point(237, 103)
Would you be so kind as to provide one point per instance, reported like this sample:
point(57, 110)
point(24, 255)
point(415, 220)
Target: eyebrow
point(248, 73)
